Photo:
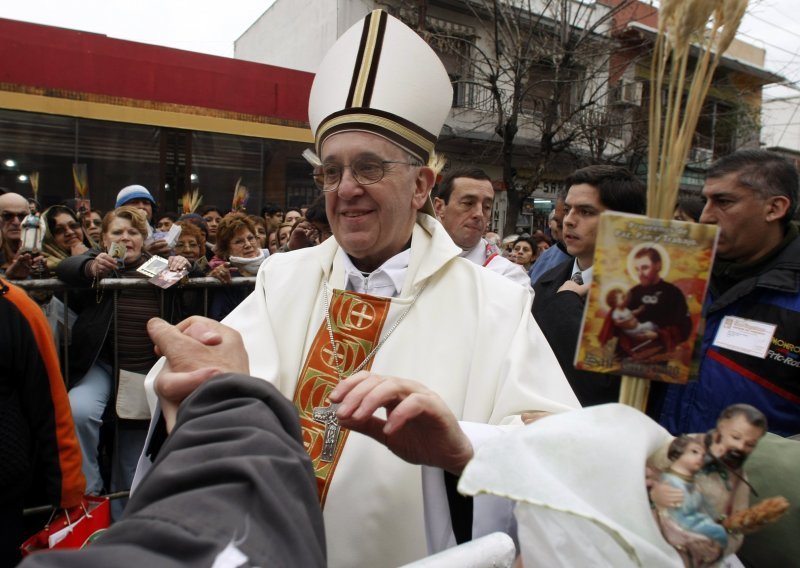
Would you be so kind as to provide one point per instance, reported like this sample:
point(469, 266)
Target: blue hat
point(133, 192)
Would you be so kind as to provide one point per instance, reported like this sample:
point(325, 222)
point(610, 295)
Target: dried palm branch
point(191, 200)
point(677, 94)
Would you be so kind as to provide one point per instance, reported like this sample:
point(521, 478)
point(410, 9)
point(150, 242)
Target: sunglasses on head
point(7, 216)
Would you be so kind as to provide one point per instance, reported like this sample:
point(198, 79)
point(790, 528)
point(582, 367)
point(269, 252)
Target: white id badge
point(746, 336)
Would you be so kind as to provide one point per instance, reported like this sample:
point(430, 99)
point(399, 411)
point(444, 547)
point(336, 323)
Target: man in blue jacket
point(751, 345)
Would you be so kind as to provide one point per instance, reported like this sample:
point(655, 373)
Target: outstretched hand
point(419, 427)
point(195, 350)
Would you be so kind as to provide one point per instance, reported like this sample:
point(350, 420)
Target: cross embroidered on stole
point(357, 321)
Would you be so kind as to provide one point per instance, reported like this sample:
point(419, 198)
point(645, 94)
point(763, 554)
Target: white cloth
point(470, 337)
point(499, 264)
point(579, 482)
point(386, 281)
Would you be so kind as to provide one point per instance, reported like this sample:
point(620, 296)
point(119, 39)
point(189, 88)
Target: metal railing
point(116, 285)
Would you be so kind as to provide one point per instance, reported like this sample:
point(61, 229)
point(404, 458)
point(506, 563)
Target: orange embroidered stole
point(357, 321)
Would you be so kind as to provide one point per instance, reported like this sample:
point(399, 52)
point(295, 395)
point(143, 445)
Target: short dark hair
point(208, 208)
point(270, 209)
point(691, 204)
point(619, 189)
point(445, 187)
point(652, 253)
point(766, 173)
point(752, 414)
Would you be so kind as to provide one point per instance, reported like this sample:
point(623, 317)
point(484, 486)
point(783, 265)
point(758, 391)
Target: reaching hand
point(580, 289)
point(419, 427)
point(102, 265)
point(21, 266)
point(196, 350)
point(159, 247)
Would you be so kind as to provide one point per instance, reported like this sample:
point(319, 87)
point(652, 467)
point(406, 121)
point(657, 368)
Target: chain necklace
point(327, 414)
point(380, 343)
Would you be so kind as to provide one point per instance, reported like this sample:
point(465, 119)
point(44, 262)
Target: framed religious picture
point(644, 306)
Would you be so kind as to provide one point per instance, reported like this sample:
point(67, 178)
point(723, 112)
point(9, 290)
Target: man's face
point(734, 441)
point(556, 224)
point(745, 219)
point(582, 209)
point(13, 209)
point(647, 270)
point(142, 204)
point(373, 222)
point(466, 214)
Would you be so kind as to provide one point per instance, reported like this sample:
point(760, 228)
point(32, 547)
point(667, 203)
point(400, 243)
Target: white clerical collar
point(476, 254)
point(585, 274)
point(386, 281)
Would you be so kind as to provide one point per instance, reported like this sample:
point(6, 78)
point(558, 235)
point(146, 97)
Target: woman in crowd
point(261, 230)
point(272, 241)
point(101, 351)
point(524, 253)
point(192, 246)
point(237, 254)
point(284, 232)
point(64, 236)
point(92, 223)
point(212, 215)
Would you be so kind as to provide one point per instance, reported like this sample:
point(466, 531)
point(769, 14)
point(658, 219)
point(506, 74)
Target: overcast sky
point(211, 26)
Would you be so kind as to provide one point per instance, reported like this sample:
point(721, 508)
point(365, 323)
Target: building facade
point(119, 112)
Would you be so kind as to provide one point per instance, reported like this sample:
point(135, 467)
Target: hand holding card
point(117, 251)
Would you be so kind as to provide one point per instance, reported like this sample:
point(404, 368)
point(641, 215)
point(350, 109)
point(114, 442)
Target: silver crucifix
point(327, 415)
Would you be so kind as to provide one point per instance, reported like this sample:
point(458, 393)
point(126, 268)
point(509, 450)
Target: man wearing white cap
point(384, 330)
point(139, 197)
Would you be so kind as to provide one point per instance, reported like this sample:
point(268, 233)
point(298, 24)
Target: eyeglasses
point(93, 222)
point(365, 171)
point(62, 229)
point(185, 245)
point(8, 216)
point(250, 239)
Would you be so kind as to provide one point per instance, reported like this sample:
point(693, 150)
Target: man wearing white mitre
point(385, 322)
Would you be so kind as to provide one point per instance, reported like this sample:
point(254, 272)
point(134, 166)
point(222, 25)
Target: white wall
point(781, 123)
point(297, 33)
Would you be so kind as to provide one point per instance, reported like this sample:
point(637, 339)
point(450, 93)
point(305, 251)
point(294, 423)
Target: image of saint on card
point(167, 278)
point(645, 302)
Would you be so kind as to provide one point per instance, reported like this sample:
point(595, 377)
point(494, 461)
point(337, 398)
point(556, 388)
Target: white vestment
point(498, 263)
point(470, 337)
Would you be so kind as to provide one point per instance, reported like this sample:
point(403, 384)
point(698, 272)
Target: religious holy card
point(644, 305)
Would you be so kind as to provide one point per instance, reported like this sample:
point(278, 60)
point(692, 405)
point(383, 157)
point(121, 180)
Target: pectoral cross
point(327, 415)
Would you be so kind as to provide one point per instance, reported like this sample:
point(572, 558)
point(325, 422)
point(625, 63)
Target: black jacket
point(559, 316)
point(233, 475)
point(95, 318)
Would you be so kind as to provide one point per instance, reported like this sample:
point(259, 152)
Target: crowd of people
point(395, 324)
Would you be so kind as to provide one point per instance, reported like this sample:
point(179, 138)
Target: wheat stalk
point(711, 26)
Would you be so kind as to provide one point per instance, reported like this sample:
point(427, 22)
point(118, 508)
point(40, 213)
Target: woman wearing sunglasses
point(64, 236)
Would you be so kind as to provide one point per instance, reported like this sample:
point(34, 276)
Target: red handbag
point(72, 528)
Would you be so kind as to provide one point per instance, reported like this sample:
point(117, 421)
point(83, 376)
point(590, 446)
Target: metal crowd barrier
point(115, 285)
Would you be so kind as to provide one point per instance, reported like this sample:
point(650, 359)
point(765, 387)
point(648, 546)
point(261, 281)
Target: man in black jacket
point(559, 295)
point(232, 485)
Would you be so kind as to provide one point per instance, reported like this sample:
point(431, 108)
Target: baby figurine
point(689, 527)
